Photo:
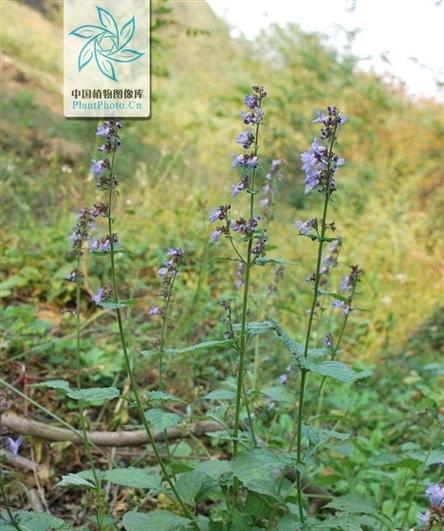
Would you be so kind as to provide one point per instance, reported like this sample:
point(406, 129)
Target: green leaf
point(161, 420)
point(432, 458)
point(117, 305)
point(317, 435)
point(255, 328)
point(353, 503)
point(345, 522)
point(220, 394)
point(199, 347)
point(296, 349)
point(334, 369)
point(62, 385)
point(254, 468)
point(155, 521)
point(162, 396)
point(94, 394)
point(214, 469)
point(31, 521)
point(333, 295)
point(288, 523)
point(134, 477)
point(189, 484)
point(263, 260)
point(74, 480)
point(278, 394)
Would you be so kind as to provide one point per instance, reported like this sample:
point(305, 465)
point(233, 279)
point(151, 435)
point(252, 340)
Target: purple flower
point(435, 494)
point(101, 295)
point(155, 310)
point(283, 379)
point(237, 188)
point(246, 161)
point(246, 138)
point(304, 227)
point(73, 276)
point(98, 167)
point(215, 236)
point(320, 117)
point(219, 213)
point(254, 116)
point(346, 309)
point(328, 340)
point(251, 101)
point(14, 445)
point(424, 518)
point(163, 271)
point(103, 245)
point(104, 129)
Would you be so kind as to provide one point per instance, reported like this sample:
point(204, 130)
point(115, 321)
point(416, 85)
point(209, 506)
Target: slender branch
point(97, 484)
point(24, 426)
point(129, 368)
point(309, 328)
point(244, 319)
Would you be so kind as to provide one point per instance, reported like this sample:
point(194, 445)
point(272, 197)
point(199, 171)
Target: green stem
point(163, 332)
point(333, 356)
point(244, 318)
point(129, 368)
point(97, 484)
point(308, 333)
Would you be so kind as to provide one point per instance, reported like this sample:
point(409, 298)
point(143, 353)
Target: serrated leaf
point(74, 480)
point(254, 468)
point(214, 468)
point(427, 458)
point(353, 503)
point(334, 369)
point(220, 394)
point(162, 420)
point(154, 521)
point(62, 385)
point(317, 435)
point(134, 477)
point(32, 521)
point(189, 484)
point(94, 394)
point(345, 522)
